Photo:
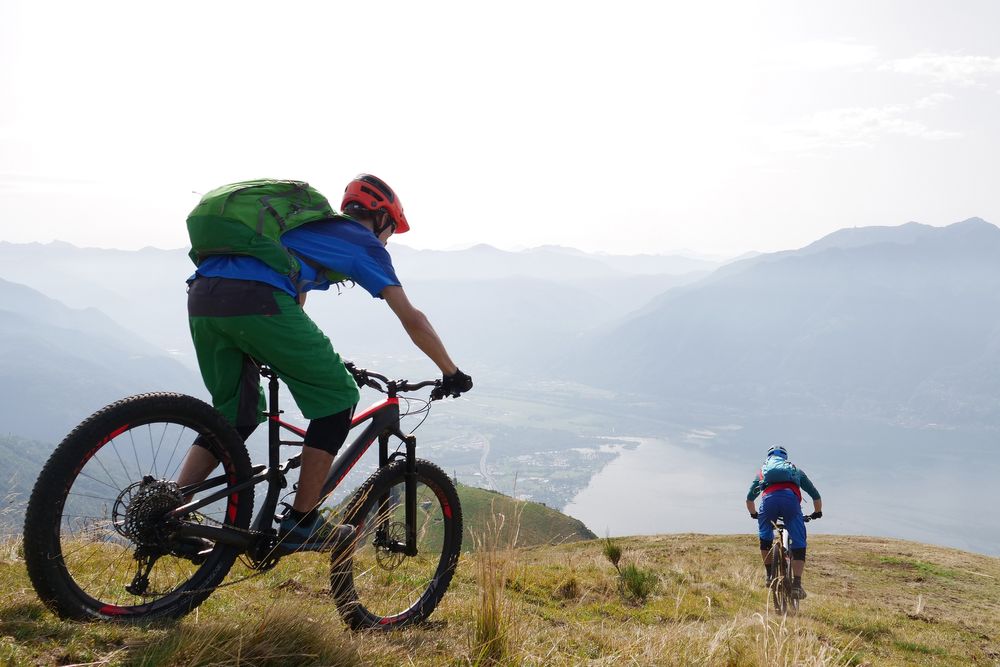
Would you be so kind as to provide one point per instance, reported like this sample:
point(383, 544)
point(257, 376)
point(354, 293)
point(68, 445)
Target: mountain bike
point(781, 584)
point(107, 532)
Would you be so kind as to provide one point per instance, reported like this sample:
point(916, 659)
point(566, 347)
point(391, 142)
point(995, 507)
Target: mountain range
point(897, 323)
point(59, 364)
point(901, 323)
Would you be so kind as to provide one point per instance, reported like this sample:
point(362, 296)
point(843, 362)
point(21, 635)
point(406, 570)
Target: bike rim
point(390, 586)
point(101, 529)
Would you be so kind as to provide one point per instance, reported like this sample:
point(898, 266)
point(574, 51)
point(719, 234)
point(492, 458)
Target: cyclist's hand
point(816, 515)
point(455, 384)
point(754, 515)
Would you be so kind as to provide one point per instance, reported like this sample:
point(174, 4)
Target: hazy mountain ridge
point(488, 303)
point(555, 263)
point(890, 322)
point(57, 364)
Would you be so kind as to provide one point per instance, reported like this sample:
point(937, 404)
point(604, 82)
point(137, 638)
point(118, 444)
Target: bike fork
point(409, 486)
point(410, 476)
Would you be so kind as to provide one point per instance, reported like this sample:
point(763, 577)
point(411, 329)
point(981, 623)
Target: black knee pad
point(798, 554)
point(765, 545)
point(328, 433)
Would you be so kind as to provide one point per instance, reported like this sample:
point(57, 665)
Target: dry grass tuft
point(285, 636)
point(495, 629)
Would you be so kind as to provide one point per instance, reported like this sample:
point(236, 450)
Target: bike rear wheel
point(96, 544)
point(377, 586)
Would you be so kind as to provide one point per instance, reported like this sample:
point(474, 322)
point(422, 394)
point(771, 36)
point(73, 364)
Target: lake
point(941, 495)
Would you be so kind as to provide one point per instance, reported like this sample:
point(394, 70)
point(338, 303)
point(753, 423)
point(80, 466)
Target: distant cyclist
point(241, 309)
point(781, 484)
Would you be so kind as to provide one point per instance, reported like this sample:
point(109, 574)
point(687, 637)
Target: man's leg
point(315, 467)
point(797, 547)
point(304, 359)
point(765, 531)
point(324, 437)
point(198, 465)
point(303, 527)
point(229, 375)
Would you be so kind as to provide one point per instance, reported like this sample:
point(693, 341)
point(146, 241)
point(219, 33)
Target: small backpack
point(777, 470)
point(249, 217)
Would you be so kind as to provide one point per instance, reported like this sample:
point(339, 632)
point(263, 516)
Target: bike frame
point(383, 422)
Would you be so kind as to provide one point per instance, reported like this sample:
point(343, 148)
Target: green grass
point(870, 603)
point(919, 566)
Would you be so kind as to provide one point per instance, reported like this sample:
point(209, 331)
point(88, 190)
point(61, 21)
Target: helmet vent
point(369, 191)
point(382, 187)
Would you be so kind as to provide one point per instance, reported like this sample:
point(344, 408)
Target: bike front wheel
point(97, 544)
point(781, 585)
point(379, 586)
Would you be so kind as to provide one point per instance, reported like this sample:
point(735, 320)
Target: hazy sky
point(628, 126)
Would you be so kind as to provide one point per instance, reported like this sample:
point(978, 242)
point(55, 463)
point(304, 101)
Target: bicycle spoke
point(387, 587)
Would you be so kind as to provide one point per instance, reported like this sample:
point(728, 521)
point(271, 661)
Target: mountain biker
point(241, 310)
point(781, 484)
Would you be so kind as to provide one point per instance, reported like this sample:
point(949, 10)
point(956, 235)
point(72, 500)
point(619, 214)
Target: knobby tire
point(376, 587)
point(780, 585)
point(78, 559)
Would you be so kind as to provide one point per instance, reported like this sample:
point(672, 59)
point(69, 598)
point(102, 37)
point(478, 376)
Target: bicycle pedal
point(279, 517)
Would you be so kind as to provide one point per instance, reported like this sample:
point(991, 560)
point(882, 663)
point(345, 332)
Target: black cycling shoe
point(317, 535)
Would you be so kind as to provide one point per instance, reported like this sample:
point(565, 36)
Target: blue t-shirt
point(343, 246)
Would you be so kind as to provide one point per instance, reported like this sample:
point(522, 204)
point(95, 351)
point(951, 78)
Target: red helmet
point(373, 194)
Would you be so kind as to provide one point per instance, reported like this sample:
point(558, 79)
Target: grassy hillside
point(534, 524)
point(871, 602)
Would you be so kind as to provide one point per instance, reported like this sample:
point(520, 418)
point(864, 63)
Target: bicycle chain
point(260, 567)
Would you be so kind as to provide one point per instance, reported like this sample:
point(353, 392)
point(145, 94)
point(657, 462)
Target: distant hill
point(141, 290)
point(22, 461)
point(535, 523)
point(901, 323)
point(59, 364)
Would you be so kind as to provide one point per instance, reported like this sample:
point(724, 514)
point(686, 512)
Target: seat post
point(265, 517)
point(273, 428)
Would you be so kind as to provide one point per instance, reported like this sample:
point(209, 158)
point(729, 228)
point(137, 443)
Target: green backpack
point(249, 217)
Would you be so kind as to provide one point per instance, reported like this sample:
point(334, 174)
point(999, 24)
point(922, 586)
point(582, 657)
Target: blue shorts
point(786, 505)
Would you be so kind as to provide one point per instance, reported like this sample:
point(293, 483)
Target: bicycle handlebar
point(780, 523)
point(383, 384)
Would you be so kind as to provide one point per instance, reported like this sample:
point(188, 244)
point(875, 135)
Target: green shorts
point(233, 320)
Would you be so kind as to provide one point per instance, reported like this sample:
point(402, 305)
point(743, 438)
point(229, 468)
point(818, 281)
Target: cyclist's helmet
point(373, 194)
point(777, 450)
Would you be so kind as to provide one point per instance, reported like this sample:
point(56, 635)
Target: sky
point(627, 127)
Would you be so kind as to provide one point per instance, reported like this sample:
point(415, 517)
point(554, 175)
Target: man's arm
point(419, 328)
point(806, 485)
point(752, 496)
